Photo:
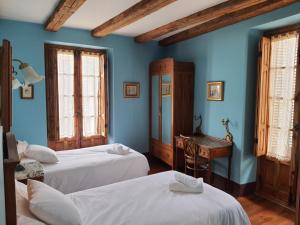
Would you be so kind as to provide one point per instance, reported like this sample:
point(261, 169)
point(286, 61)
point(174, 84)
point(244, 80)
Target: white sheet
point(148, 201)
point(91, 167)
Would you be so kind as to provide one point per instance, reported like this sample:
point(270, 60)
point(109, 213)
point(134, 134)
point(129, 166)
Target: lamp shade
point(15, 83)
point(30, 75)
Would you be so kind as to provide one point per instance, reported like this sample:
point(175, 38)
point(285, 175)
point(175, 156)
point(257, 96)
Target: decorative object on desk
point(198, 128)
point(27, 92)
point(215, 90)
point(229, 136)
point(131, 89)
point(30, 76)
point(166, 89)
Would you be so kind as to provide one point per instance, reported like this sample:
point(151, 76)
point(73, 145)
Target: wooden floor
point(260, 211)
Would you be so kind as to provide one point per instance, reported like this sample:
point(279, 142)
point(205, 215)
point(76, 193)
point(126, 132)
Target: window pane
point(90, 93)
point(281, 96)
point(65, 70)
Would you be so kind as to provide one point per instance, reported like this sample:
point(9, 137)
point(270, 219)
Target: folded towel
point(186, 180)
point(180, 187)
point(118, 149)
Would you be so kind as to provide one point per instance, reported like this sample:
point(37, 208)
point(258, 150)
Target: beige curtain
point(65, 70)
point(90, 63)
point(281, 95)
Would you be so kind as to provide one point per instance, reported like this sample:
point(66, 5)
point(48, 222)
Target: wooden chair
point(193, 161)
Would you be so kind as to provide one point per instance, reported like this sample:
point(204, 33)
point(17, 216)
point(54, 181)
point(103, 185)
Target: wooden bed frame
point(9, 165)
point(10, 153)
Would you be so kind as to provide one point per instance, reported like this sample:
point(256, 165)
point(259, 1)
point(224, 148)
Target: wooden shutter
point(51, 95)
point(261, 129)
point(103, 98)
point(295, 175)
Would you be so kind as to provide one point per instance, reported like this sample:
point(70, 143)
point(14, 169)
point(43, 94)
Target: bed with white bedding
point(148, 201)
point(85, 168)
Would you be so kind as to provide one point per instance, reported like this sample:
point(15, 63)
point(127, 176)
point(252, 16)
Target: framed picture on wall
point(166, 89)
point(131, 89)
point(215, 90)
point(27, 92)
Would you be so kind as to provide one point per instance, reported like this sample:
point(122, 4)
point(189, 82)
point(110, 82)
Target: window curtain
point(65, 71)
point(90, 93)
point(282, 83)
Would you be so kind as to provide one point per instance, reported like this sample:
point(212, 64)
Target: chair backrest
point(190, 149)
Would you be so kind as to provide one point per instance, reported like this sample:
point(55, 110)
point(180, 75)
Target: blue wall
point(230, 55)
point(128, 62)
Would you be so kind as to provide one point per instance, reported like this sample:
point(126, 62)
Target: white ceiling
point(95, 12)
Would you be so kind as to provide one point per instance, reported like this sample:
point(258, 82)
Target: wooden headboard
point(9, 165)
point(6, 85)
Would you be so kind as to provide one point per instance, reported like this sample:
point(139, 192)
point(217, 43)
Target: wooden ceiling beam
point(226, 20)
point(130, 15)
point(62, 12)
point(196, 18)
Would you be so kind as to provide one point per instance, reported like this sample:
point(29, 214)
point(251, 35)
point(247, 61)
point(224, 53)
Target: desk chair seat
point(194, 163)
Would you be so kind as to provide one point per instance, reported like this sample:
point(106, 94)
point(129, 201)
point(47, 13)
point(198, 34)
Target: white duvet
point(148, 201)
point(91, 167)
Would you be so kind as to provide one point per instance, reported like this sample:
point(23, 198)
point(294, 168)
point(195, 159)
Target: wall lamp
point(29, 74)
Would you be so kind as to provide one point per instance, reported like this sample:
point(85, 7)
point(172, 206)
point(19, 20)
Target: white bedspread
point(148, 201)
point(91, 167)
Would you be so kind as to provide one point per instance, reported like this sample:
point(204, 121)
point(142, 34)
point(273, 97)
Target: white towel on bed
point(118, 149)
point(185, 183)
point(186, 179)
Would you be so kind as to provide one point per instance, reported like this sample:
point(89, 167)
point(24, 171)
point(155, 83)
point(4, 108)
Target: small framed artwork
point(27, 92)
point(215, 90)
point(166, 89)
point(131, 89)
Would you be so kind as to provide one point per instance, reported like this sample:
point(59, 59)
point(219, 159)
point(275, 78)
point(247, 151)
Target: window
point(76, 82)
point(276, 96)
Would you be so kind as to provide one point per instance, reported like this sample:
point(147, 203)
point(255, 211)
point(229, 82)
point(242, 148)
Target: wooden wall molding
point(235, 188)
point(62, 12)
point(197, 18)
point(130, 15)
point(226, 20)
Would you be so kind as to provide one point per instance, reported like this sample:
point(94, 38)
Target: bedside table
point(32, 170)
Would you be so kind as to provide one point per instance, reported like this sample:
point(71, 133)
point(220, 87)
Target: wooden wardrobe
point(171, 105)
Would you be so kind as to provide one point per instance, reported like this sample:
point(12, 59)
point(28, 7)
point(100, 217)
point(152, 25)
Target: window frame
point(52, 101)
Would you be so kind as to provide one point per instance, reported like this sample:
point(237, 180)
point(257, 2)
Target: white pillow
point(41, 153)
point(50, 205)
point(24, 216)
point(21, 147)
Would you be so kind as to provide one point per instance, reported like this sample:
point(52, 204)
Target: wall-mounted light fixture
point(29, 74)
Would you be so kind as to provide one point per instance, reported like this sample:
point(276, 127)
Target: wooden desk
point(209, 148)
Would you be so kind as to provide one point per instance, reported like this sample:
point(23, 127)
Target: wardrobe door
point(166, 109)
point(155, 114)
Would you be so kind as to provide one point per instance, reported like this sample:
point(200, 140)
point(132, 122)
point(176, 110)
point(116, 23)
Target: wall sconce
point(29, 74)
